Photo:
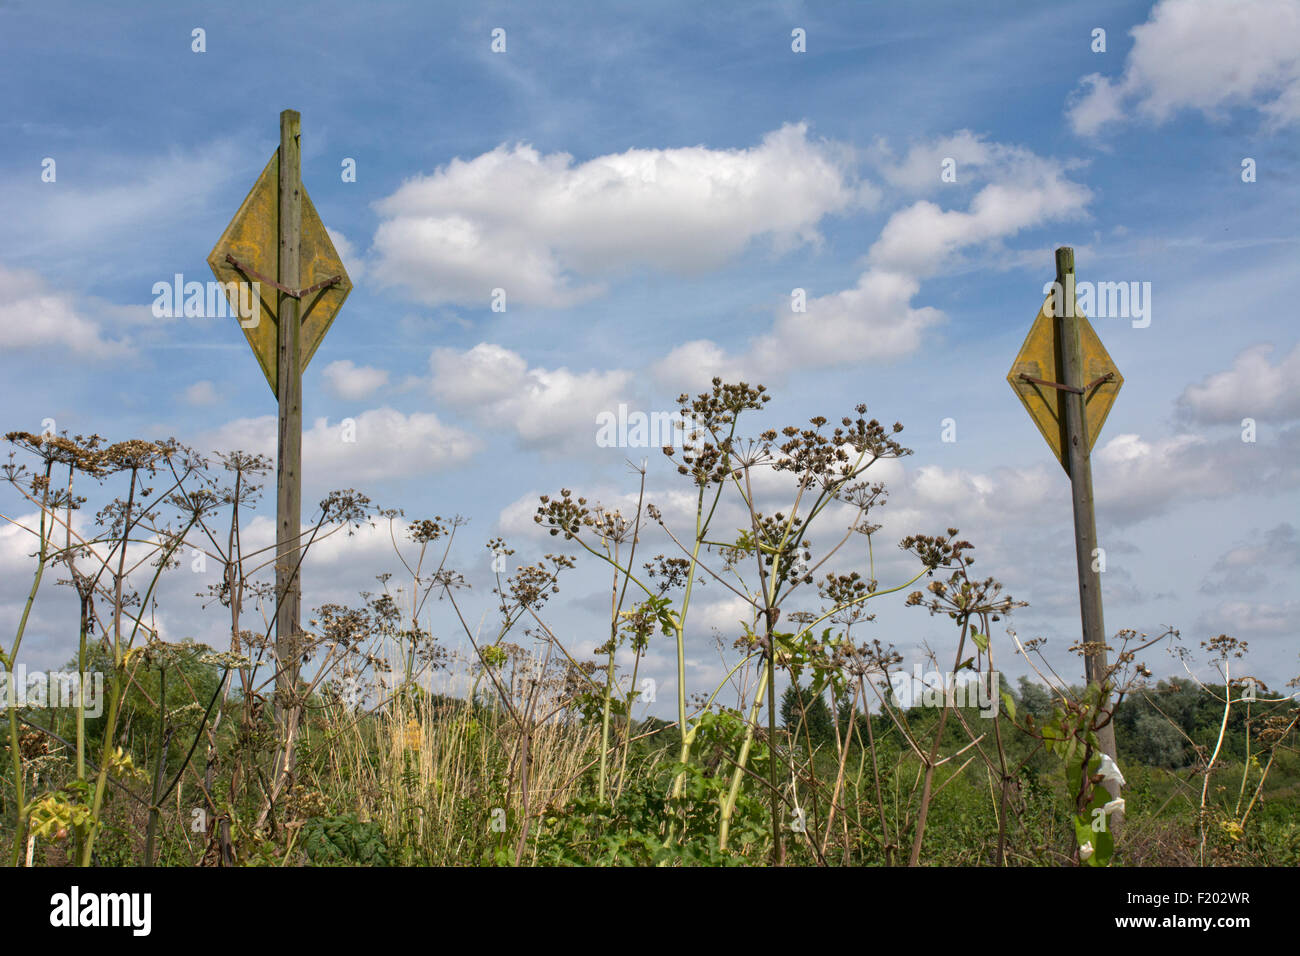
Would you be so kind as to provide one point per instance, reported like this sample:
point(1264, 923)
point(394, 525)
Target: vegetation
point(193, 757)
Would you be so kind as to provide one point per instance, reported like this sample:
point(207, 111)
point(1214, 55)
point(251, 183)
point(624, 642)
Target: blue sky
point(648, 183)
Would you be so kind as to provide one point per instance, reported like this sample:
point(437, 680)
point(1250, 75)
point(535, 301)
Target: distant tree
point(1034, 699)
point(1158, 743)
point(815, 713)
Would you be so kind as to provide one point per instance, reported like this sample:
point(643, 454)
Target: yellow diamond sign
point(252, 241)
point(1038, 366)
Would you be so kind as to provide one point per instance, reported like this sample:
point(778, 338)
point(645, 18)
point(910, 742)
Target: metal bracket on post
point(1109, 376)
point(297, 294)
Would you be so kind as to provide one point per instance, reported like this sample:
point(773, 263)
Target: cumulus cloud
point(345, 379)
point(701, 360)
point(1203, 55)
point(876, 319)
point(548, 230)
point(32, 315)
point(1138, 478)
point(350, 257)
point(379, 443)
point(496, 386)
point(921, 239)
point(1253, 387)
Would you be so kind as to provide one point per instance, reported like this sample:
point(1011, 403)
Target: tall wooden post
point(1079, 464)
point(288, 504)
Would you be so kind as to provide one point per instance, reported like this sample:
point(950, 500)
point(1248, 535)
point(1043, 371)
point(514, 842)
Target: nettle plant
point(799, 611)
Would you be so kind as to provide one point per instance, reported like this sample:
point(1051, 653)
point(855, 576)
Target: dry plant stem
point(926, 796)
point(233, 569)
point(81, 697)
point(118, 691)
point(875, 773)
point(843, 746)
point(615, 602)
point(1264, 776)
point(627, 729)
point(20, 822)
point(164, 740)
point(613, 626)
point(285, 754)
point(84, 601)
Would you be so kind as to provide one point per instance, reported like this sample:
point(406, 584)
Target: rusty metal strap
point(298, 294)
point(1068, 388)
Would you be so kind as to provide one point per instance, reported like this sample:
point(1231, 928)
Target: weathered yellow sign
point(1038, 366)
point(252, 241)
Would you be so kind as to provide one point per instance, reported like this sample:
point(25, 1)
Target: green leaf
point(981, 640)
point(1009, 704)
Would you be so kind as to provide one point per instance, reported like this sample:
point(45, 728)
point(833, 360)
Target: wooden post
point(1079, 462)
point(288, 504)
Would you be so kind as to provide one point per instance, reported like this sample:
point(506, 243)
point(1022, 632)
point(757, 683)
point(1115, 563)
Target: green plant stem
point(604, 725)
point(733, 793)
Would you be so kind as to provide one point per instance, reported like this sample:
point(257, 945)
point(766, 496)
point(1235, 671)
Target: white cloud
point(725, 612)
point(976, 159)
point(32, 315)
point(1097, 102)
point(495, 385)
point(547, 230)
point(387, 444)
point(201, 393)
point(1253, 387)
point(876, 320)
point(347, 380)
point(1205, 55)
point(700, 360)
point(347, 254)
point(1246, 619)
point(921, 239)
point(1137, 478)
